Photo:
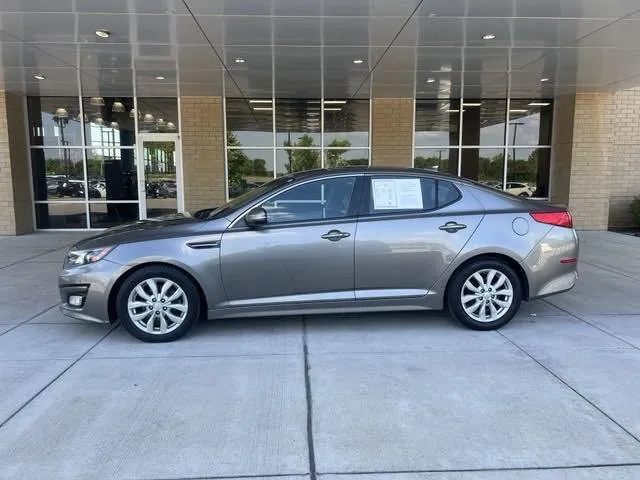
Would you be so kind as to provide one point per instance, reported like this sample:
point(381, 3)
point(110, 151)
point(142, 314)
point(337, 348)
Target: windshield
point(237, 203)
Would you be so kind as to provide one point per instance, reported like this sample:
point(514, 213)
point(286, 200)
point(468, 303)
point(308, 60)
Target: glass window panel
point(61, 215)
point(298, 123)
point(248, 169)
point(345, 157)
point(58, 173)
point(249, 124)
point(318, 200)
point(346, 125)
point(437, 123)
point(530, 122)
point(485, 165)
point(158, 115)
point(483, 122)
point(54, 121)
point(112, 174)
point(109, 121)
point(528, 172)
point(105, 215)
point(443, 160)
point(293, 160)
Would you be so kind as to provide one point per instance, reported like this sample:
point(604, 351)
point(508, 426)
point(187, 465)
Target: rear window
point(395, 194)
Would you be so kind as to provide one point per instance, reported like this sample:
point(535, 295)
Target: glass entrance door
point(161, 185)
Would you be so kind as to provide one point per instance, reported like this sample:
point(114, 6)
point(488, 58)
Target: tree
point(301, 160)
point(334, 157)
point(238, 164)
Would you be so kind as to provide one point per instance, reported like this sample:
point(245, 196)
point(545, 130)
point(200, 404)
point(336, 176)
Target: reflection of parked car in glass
point(97, 189)
point(162, 189)
point(519, 189)
point(71, 188)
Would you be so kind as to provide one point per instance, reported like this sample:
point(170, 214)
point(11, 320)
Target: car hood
point(141, 230)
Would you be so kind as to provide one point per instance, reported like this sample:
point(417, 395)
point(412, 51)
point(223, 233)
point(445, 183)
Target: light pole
point(61, 117)
point(515, 132)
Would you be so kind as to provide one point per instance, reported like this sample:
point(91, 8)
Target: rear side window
point(391, 194)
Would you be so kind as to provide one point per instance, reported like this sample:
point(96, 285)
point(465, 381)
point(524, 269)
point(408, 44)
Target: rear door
point(410, 229)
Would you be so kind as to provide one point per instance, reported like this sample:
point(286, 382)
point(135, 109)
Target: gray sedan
point(326, 241)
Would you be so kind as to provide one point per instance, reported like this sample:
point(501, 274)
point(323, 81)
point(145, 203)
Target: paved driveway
point(371, 397)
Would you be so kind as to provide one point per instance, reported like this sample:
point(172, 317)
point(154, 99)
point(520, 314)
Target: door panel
point(404, 257)
point(403, 247)
point(288, 264)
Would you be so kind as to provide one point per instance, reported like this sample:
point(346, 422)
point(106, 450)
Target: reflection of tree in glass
point(301, 160)
point(491, 168)
point(524, 170)
point(431, 163)
point(334, 157)
point(240, 166)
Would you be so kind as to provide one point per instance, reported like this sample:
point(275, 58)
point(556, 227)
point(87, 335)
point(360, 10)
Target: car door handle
point(335, 235)
point(452, 227)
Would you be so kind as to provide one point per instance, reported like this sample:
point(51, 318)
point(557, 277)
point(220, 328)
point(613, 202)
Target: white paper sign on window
point(397, 194)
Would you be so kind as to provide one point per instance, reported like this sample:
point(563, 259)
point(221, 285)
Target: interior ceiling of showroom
point(304, 48)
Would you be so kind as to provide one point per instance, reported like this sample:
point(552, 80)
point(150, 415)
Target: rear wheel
point(485, 295)
point(158, 304)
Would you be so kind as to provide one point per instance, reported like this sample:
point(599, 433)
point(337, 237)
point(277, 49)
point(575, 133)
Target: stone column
point(392, 132)
point(16, 210)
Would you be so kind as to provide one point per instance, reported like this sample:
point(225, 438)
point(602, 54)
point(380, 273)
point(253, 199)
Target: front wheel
point(158, 304)
point(485, 295)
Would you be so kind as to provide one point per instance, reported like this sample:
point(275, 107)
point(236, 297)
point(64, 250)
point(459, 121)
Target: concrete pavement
point(398, 396)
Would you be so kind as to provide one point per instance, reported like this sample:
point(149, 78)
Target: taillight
point(559, 219)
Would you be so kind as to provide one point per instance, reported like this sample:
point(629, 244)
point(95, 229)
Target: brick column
point(202, 133)
point(16, 215)
point(392, 132)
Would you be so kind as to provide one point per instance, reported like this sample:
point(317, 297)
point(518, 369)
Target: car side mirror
point(256, 217)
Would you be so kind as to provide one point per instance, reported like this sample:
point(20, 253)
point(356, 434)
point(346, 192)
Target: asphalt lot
point(554, 394)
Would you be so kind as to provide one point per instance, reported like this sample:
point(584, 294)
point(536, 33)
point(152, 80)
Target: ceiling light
point(39, 76)
point(263, 109)
point(312, 114)
point(132, 113)
point(358, 61)
point(332, 109)
point(545, 79)
point(79, 118)
point(115, 125)
point(539, 104)
point(118, 107)
point(103, 33)
point(472, 104)
point(431, 80)
point(488, 36)
point(240, 60)
point(171, 126)
point(259, 101)
point(453, 110)
point(335, 102)
point(96, 101)
point(518, 110)
point(61, 113)
point(99, 121)
point(148, 118)
point(160, 77)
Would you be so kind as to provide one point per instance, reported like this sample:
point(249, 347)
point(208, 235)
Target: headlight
point(84, 257)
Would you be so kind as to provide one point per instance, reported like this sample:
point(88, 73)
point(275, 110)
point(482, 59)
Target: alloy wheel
point(486, 295)
point(157, 305)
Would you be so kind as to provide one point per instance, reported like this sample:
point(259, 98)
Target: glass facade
point(83, 159)
point(473, 137)
point(267, 138)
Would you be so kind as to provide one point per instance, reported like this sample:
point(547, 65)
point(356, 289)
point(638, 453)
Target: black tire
point(159, 271)
point(456, 284)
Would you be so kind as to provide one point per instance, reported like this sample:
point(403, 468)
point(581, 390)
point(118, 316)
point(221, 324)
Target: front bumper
point(93, 283)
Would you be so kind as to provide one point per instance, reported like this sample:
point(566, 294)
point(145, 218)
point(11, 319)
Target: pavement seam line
point(606, 332)
point(31, 258)
point(55, 379)
point(478, 470)
point(233, 477)
point(31, 318)
point(309, 398)
point(574, 390)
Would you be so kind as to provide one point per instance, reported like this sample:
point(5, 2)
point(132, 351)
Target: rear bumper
point(553, 264)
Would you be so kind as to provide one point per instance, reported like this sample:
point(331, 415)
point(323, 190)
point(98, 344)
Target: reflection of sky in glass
point(103, 136)
point(528, 133)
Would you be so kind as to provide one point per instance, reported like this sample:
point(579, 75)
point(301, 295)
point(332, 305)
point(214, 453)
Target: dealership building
point(120, 110)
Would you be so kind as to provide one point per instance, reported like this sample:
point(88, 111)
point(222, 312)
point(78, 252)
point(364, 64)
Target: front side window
point(389, 194)
point(318, 200)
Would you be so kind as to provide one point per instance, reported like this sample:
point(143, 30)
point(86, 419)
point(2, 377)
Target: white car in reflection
point(520, 189)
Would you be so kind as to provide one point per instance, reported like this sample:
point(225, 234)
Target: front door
point(304, 253)
point(160, 183)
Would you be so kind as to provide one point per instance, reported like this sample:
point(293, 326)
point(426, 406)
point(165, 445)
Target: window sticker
point(397, 194)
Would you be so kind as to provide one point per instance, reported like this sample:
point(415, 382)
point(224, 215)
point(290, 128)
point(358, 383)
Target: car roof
point(320, 172)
